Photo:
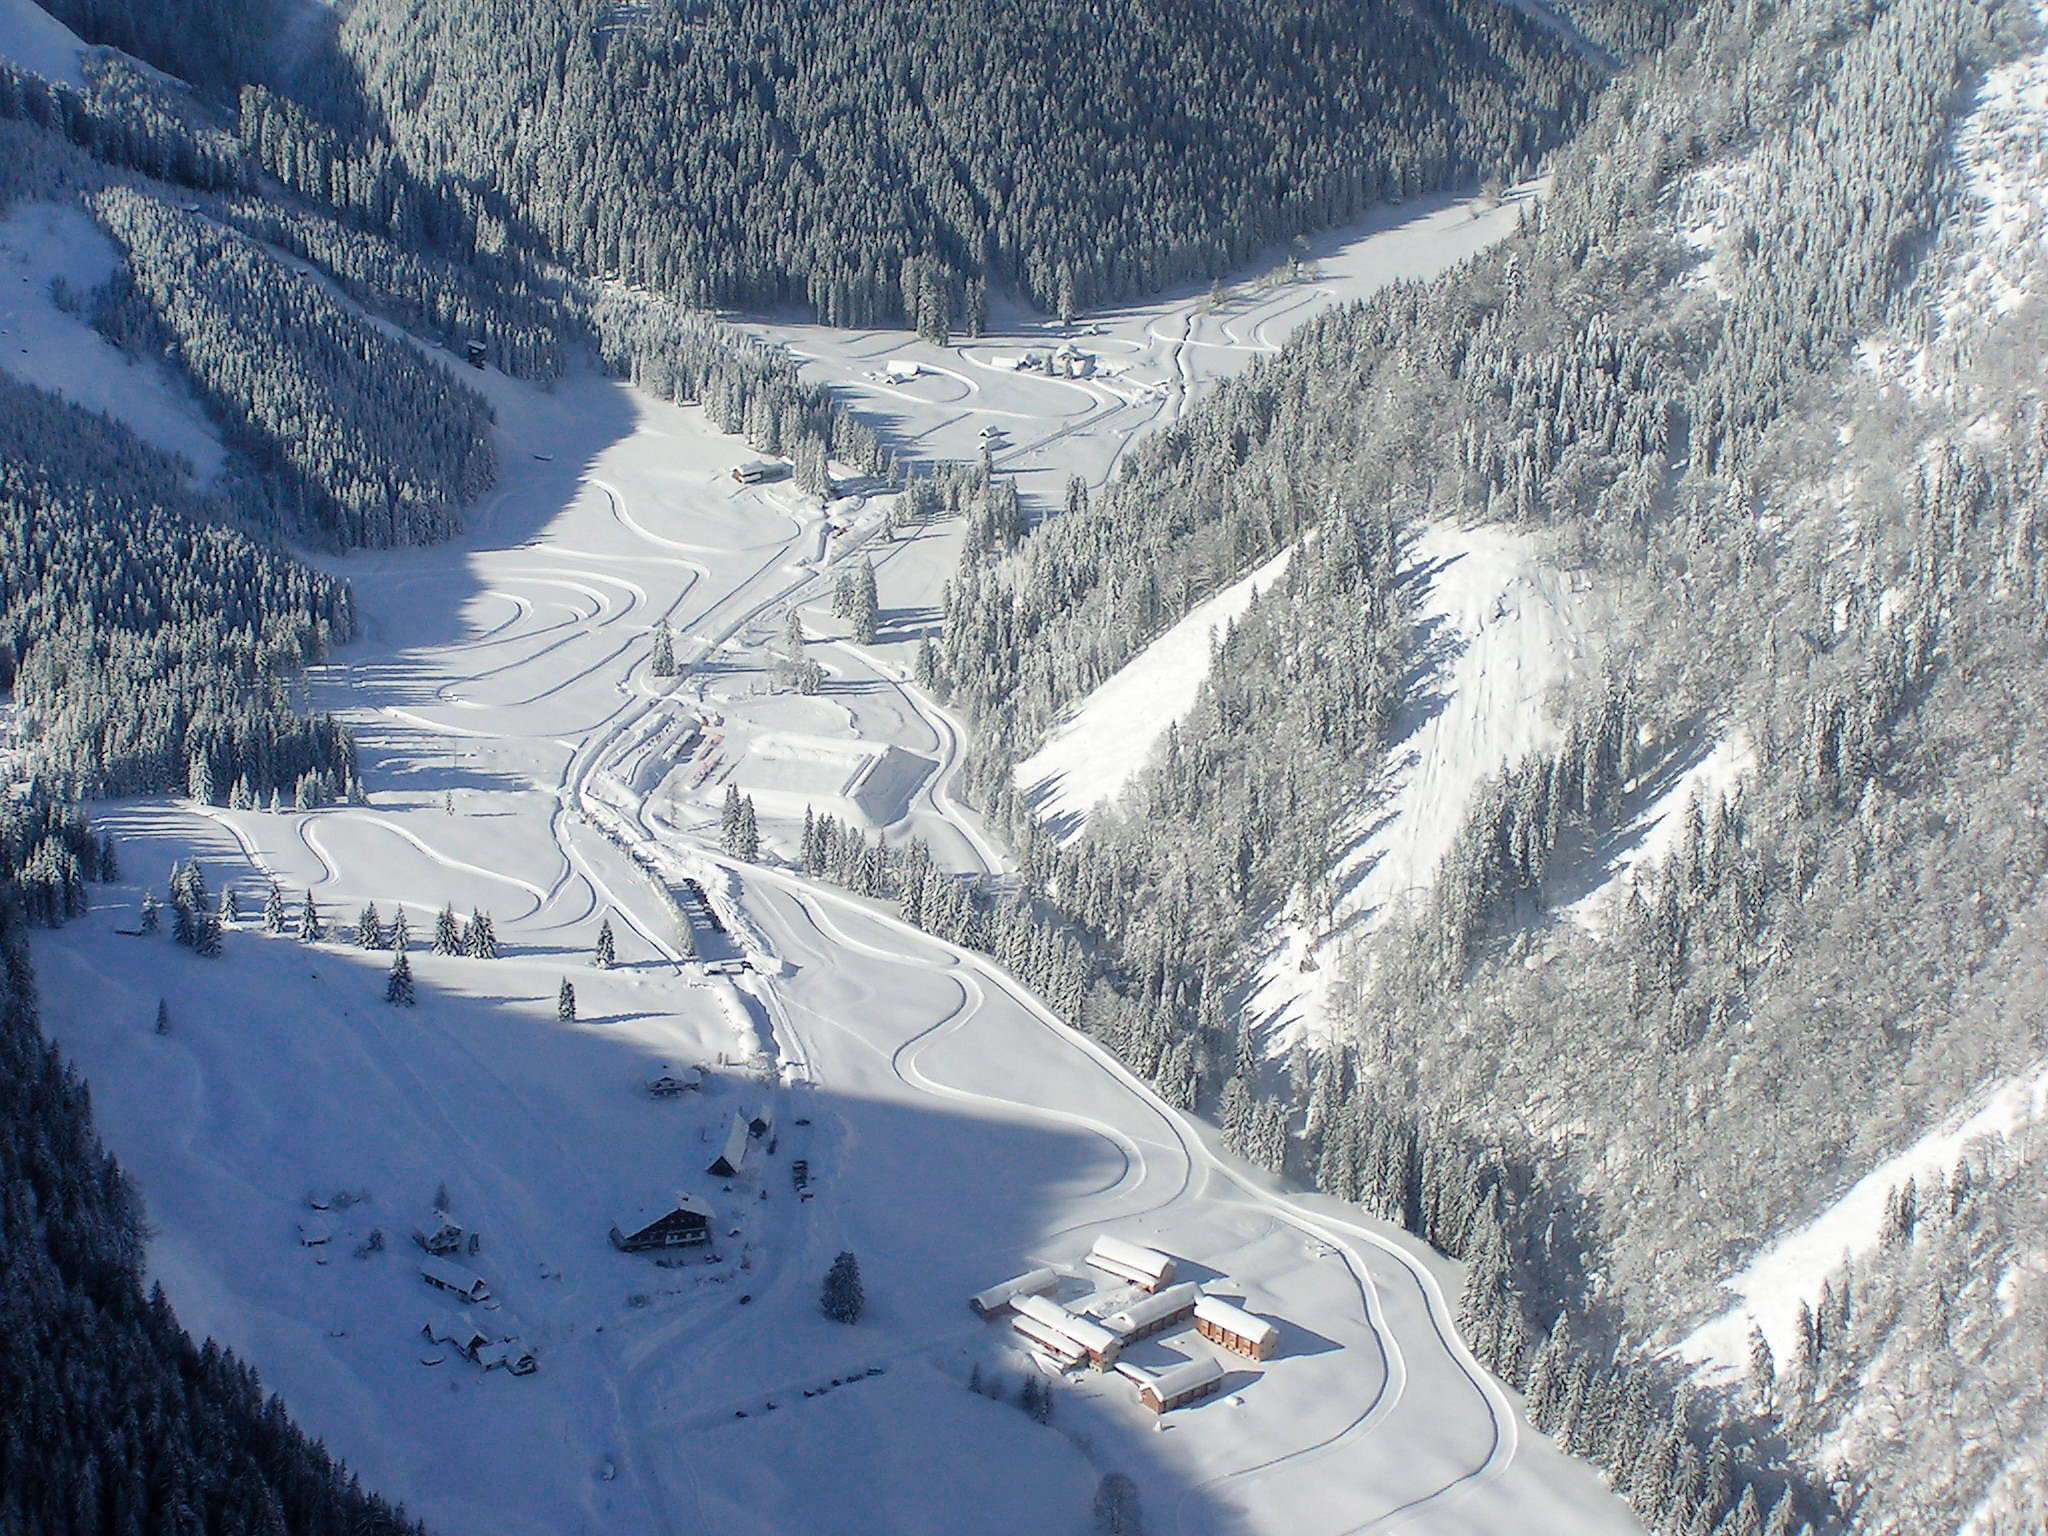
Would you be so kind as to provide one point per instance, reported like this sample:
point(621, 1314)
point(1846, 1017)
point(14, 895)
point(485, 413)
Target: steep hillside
point(875, 161)
point(1743, 923)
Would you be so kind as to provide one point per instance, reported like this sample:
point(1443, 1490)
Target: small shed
point(1146, 1267)
point(759, 470)
point(729, 1162)
point(1235, 1329)
point(666, 1083)
point(681, 1222)
point(1155, 1313)
point(761, 1123)
point(1045, 1321)
point(902, 370)
point(1164, 1391)
point(997, 1298)
point(454, 1279)
point(317, 1230)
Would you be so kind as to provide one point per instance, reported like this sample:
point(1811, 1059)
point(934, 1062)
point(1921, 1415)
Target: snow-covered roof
point(1049, 1339)
point(1176, 1380)
point(1114, 1254)
point(646, 1213)
point(1031, 1283)
point(453, 1277)
point(1150, 1309)
point(1086, 1332)
point(1232, 1319)
point(736, 1141)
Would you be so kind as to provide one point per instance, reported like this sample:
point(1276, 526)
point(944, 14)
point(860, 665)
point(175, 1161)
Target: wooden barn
point(683, 1222)
point(997, 1298)
point(729, 1162)
point(454, 1279)
point(1164, 1391)
point(1235, 1329)
point(1068, 1337)
point(1155, 1314)
point(1145, 1267)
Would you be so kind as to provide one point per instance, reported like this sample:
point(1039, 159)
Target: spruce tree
point(206, 935)
point(840, 1298)
point(370, 928)
point(110, 866)
point(663, 661)
point(152, 914)
point(447, 932)
point(565, 1002)
point(480, 942)
point(230, 907)
point(311, 929)
point(401, 930)
point(398, 986)
point(273, 910)
point(605, 956)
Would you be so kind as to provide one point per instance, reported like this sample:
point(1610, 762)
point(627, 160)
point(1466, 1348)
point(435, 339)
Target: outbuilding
point(1164, 1391)
point(1235, 1329)
point(1046, 1322)
point(454, 1279)
point(1155, 1313)
point(1146, 1267)
point(681, 1222)
point(997, 1298)
point(666, 1083)
point(729, 1162)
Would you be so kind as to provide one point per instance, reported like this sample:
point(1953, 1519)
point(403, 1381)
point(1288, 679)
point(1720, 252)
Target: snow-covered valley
point(522, 761)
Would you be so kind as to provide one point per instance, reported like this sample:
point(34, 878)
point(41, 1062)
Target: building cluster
point(1160, 1305)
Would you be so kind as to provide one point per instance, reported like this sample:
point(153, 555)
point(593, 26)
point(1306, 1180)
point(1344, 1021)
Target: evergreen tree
point(184, 927)
point(110, 866)
point(163, 1016)
point(398, 986)
point(447, 932)
point(565, 1002)
point(206, 935)
point(152, 914)
point(480, 940)
point(401, 930)
point(840, 1298)
point(663, 661)
point(311, 929)
point(605, 956)
point(230, 907)
point(370, 928)
point(863, 605)
point(273, 910)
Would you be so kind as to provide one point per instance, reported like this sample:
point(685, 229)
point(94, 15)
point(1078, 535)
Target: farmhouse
point(1155, 1314)
point(680, 1223)
point(729, 1162)
point(1068, 1338)
point(1236, 1329)
point(1164, 1391)
point(438, 1235)
point(493, 1351)
point(666, 1084)
point(454, 1279)
point(1127, 1261)
point(997, 1298)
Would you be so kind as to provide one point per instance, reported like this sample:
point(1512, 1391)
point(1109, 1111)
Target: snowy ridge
point(1499, 634)
point(1790, 1271)
point(1101, 748)
point(53, 349)
point(33, 39)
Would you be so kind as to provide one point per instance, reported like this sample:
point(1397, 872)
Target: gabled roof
point(1147, 1310)
point(648, 1212)
point(1232, 1319)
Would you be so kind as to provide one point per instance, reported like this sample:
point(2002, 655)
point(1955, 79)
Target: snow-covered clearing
point(1499, 635)
point(1770, 1289)
point(54, 349)
point(520, 760)
point(1102, 746)
point(33, 39)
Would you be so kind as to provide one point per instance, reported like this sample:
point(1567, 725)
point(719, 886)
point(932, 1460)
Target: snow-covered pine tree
point(398, 985)
point(663, 662)
point(747, 841)
point(840, 1298)
point(401, 930)
point(370, 928)
point(206, 935)
point(230, 907)
point(605, 956)
point(110, 866)
point(273, 910)
point(565, 1002)
point(447, 932)
point(152, 914)
point(480, 941)
point(311, 929)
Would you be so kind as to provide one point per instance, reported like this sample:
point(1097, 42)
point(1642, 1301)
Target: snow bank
point(1101, 748)
point(53, 349)
point(1499, 634)
point(35, 40)
point(1791, 1269)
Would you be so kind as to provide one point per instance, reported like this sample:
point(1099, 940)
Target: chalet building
point(455, 1280)
point(1144, 1267)
point(1235, 1329)
point(758, 471)
point(728, 1163)
point(491, 1349)
point(1066, 1336)
point(683, 1222)
point(666, 1084)
point(1164, 1391)
point(439, 1236)
point(997, 1298)
point(1155, 1313)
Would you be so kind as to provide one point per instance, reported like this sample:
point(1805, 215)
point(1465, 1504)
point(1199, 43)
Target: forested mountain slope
point(1833, 562)
point(873, 160)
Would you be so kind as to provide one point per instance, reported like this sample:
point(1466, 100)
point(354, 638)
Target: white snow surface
point(1770, 1288)
point(1101, 747)
point(1500, 635)
point(520, 759)
point(56, 350)
point(33, 39)
point(1653, 833)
